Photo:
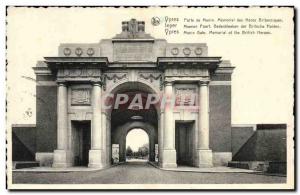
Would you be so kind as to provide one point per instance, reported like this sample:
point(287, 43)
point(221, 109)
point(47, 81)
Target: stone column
point(108, 141)
point(95, 153)
point(169, 152)
point(203, 150)
point(160, 138)
point(122, 148)
point(61, 155)
point(152, 148)
point(104, 140)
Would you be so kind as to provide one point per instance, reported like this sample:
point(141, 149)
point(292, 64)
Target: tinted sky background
point(136, 138)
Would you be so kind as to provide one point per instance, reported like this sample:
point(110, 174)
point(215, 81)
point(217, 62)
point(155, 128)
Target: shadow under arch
point(125, 86)
point(121, 120)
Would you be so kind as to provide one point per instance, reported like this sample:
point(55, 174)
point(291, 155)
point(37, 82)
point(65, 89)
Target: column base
point(95, 159)
point(169, 159)
point(61, 159)
point(205, 158)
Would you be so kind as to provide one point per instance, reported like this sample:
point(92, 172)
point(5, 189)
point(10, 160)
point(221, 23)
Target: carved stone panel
point(186, 49)
point(111, 79)
point(80, 97)
point(115, 77)
point(79, 50)
point(153, 78)
point(185, 96)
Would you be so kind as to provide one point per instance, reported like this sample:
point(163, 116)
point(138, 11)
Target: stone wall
point(23, 142)
point(220, 118)
point(220, 112)
point(46, 118)
point(240, 135)
point(268, 143)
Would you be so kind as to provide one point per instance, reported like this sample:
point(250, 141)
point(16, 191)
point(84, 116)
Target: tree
point(129, 151)
point(144, 150)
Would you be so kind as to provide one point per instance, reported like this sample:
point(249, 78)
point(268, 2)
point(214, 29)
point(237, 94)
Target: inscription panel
point(133, 51)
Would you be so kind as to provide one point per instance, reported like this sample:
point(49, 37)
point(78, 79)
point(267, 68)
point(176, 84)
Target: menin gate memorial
point(74, 129)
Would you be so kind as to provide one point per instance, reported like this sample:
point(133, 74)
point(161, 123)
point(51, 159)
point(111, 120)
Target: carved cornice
point(42, 71)
point(188, 62)
point(224, 70)
point(76, 62)
point(76, 59)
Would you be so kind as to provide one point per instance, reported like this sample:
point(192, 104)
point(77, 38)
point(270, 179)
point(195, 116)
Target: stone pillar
point(108, 141)
point(61, 155)
point(160, 138)
point(122, 148)
point(152, 148)
point(203, 150)
point(169, 152)
point(95, 153)
point(104, 140)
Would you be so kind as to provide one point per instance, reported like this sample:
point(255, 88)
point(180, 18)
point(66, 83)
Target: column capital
point(61, 82)
point(168, 83)
point(96, 83)
point(204, 83)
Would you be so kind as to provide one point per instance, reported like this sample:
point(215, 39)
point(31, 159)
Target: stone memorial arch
point(74, 127)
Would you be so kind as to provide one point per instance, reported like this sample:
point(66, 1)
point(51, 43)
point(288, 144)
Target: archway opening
point(132, 114)
point(137, 145)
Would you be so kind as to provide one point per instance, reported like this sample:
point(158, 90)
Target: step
point(237, 164)
point(277, 167)
point(25, 164)
point(252, 165)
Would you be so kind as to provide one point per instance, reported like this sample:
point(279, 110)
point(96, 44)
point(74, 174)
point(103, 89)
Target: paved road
point(141, 173)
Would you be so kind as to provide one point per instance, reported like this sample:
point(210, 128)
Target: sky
point(136, 138)
point(262, 82)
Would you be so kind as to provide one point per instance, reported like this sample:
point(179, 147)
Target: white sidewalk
point(221, 169)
